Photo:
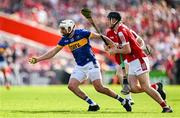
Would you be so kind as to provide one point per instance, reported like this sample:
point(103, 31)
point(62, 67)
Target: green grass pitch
point(59, 102)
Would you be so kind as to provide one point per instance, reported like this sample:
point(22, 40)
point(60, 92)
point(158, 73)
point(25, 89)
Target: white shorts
point(139, 66)
point(3, 64)
point(90, 70)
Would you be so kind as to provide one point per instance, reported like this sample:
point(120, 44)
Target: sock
point(89, 101)
point(128, 96)
point(155, 86)
point(120, 99)
point(125, 81)
point(163, 104)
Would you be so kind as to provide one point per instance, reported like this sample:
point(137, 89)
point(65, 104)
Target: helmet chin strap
point(69, 33)
point(112, 27)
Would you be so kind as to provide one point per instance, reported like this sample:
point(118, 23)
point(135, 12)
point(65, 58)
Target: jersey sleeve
point(4, 46)
point(134, 33)
point(86, 33)
point(122, 36)
point(61, 43)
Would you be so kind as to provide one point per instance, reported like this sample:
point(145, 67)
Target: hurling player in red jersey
point(138, 62)
point(119, 72)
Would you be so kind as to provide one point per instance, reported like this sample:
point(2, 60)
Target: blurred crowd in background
point(156, 21)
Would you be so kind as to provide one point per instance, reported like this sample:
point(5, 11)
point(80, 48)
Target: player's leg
point(134, 84)
point(135, 68)
point(140, 69)
point(143, 67)
point(145, 85)
point(136, 87)
point(120, 76)
point(6, 82)
point(96, 78)
point(159, 87)
point(132, 78)
point(75, 80)
point(4, 74)
point(142, 84)
point(73, 85)
point(104, 90)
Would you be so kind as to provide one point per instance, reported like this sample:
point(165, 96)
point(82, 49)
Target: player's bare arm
point(51, 53)
point(126, 49)
point(98, 36)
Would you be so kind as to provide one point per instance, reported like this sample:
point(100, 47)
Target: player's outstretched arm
point(51, 53)
point(98, 36)
point(126, 49)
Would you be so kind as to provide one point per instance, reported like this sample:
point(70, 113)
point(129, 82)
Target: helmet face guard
point(67, 24)
point(114, 15)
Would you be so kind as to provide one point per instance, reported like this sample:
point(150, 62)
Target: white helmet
point(67, 24)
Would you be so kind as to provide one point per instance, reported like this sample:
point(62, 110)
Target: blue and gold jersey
point(80, 46)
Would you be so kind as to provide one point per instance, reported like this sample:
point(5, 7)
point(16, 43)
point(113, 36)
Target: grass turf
point(59, 102)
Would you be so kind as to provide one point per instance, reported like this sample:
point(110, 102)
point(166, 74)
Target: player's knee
point(71, 87)
point(135, 89)
point(145, 87)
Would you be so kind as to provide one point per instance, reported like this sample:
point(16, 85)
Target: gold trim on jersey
point(59, 46)
point(78, 44)
point(2, 50)
point(91, 35)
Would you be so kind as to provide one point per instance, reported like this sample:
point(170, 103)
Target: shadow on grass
point(74, 112)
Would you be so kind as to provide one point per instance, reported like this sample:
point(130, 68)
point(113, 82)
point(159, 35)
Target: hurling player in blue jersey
point(87, 66)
